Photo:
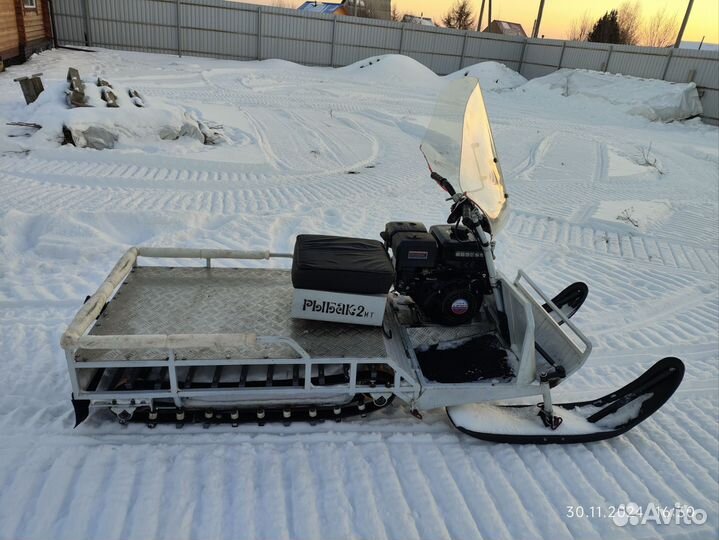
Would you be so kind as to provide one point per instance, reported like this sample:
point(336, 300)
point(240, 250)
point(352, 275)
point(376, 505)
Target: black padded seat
point(339, 264)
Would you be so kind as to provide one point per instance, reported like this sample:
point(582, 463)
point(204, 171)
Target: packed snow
point(336, 151)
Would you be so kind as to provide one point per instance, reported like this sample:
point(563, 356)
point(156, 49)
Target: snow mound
point(391, 68)
point(653, 99)
point(492, 76)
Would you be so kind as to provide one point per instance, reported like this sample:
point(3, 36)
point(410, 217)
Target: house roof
point(320, 7)
point(507, 28)
point(424, 21)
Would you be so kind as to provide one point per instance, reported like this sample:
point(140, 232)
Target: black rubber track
point(206, 417)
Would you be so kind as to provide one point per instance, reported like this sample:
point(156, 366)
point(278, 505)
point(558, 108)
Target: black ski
point(654, 387)
point(569, 300)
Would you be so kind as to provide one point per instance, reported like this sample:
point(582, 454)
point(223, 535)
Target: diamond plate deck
point(191, 300)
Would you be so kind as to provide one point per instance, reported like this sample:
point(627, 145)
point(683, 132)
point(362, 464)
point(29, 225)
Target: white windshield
point(459, 146)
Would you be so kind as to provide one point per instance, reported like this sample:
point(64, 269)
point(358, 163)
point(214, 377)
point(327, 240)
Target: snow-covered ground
point(598, 194)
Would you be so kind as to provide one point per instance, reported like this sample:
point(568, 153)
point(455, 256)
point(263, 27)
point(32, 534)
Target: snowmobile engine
point(442, 270)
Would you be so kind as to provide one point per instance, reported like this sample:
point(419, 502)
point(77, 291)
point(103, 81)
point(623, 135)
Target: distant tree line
point(626, 26)
point(623, 25)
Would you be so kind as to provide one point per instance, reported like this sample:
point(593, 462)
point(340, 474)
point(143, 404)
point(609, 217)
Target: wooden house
point(25, 28)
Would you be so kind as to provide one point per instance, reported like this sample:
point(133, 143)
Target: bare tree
point(630, 22)
point(395, 15)
point(660, 29)
point(579, 28)
point(459, 16)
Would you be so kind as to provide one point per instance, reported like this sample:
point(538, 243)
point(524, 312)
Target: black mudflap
point(81, 408)
point(654, 387)
point(569, 300)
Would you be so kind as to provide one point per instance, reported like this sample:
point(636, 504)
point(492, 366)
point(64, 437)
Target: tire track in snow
point(272, 497)
point(60, 197)
point(20, 495)
point(308, 483)
point(552, 231)
point(356, 475)
point(601, 170)
point(485, 513)
point(534, 158)
point(417, 491)
point(395, 511)
point(454, 505)
point(505, 497)
point(328, 494)
point(578, 488)
point(510, 477)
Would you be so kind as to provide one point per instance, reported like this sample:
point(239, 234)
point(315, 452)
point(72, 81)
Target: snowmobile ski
point(584, 421)
point(569, 300)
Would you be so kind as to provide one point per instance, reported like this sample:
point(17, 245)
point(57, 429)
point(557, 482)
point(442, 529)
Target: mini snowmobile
point(422, 316)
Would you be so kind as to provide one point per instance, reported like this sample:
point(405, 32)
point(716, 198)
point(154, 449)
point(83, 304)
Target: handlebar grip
point(443, 182)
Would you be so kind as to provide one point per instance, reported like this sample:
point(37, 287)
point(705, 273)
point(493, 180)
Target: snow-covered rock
point(100, 127)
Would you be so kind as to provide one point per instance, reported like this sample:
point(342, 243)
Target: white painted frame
point(409, 384)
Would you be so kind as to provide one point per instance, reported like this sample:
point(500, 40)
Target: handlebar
point(443, 183)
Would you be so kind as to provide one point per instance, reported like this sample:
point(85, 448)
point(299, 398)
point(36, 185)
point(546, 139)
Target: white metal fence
point(222, 29)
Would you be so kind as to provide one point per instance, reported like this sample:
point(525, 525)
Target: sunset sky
point(558, 14)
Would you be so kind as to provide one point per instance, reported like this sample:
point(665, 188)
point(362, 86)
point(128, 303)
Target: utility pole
point(684, 25)
point(481, 14)
point(489, 13)
point(539, 19)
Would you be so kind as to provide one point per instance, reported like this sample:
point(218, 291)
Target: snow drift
point(653, 99)
point(492, 76)
point(391, 68)
point(400, 69)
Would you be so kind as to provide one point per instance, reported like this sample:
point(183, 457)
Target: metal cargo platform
point(199, 300)
point(191, 335)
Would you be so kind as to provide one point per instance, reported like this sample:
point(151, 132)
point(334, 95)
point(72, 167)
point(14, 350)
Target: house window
point(30, 4)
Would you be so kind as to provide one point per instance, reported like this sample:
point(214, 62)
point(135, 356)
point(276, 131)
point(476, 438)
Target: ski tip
point(572, 297)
